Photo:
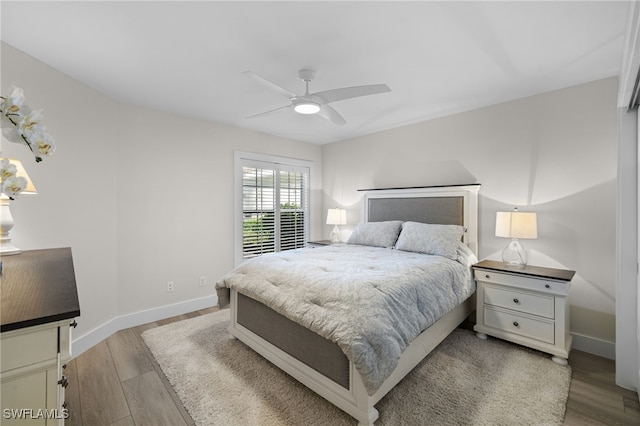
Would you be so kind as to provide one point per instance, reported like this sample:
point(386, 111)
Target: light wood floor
point(118, 382)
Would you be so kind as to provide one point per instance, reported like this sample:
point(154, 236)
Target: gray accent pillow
point(441, 240)
point(376, 234)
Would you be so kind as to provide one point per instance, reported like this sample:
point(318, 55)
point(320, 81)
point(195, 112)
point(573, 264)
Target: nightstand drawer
point(517, 324)
point(511, 279)
point(519, 301)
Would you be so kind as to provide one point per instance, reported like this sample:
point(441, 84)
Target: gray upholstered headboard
point(448, 205)
point(444, 210)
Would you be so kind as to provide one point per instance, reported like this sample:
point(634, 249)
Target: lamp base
point(514, 255)
point(7, 248)
point(335, 235)
point(6, 224)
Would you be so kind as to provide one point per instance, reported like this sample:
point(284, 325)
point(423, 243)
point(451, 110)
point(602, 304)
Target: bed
point(350, 321)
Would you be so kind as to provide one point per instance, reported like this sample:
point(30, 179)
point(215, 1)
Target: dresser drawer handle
point(516, 301)
point(74, 324)
point(515, 324)
point(547, 286)
point(487, 276)
point(63, 382)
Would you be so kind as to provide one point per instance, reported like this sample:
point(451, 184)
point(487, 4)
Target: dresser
point(526, 305)
point(39, 303)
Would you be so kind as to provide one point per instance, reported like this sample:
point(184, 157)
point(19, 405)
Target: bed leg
point(373, 416)
point(231, 335)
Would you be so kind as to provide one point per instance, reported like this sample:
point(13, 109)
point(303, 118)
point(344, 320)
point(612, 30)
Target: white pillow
point(376, 234)
point(441, 240)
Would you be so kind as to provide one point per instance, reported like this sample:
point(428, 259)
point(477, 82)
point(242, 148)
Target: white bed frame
point(355, 400)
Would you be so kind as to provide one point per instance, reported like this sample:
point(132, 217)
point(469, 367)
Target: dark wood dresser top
point(534, 271)
point(37, 287)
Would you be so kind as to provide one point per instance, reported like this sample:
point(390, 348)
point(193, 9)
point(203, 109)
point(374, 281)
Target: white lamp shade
point(336, 217)
point(516, 225)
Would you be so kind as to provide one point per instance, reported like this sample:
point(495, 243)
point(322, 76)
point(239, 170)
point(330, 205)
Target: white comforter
point(371, 301)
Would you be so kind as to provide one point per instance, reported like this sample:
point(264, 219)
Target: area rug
point(464, 381)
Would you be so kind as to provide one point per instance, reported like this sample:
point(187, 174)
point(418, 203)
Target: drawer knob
point(487, 276)
point(516, 301)
point(547, 286)
point(515, 324)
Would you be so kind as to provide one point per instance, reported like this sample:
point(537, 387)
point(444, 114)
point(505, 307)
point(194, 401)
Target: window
point(273, 194)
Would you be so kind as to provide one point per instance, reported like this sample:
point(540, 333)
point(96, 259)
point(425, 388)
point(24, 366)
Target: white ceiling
point(438, 58)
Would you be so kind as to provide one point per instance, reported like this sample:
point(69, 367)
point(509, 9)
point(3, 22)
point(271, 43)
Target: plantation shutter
point(292, 210)
point(274, 207)
point(258, 211)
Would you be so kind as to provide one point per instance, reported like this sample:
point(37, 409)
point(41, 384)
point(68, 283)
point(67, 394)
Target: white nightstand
point(525, 305)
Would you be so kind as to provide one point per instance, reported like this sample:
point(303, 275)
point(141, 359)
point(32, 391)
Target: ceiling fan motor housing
point(307, 75)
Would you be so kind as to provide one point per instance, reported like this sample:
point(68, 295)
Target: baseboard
point(594, 346)
point(95, 336)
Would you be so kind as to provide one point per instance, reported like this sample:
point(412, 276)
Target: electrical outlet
point(203, 281)
point(169, 286)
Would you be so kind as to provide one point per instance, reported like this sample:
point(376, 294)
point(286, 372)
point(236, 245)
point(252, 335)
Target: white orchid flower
point(10, 106)
point(12, 112)
point(11, 132)
point(31, 124)
point(14, 186)
point(7, 170)
point(43, 144)
point(21, 124)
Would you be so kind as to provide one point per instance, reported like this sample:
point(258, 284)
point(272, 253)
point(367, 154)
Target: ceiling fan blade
point(332, 115)
point(334, 95)
point(288, 93)
point(268, 112)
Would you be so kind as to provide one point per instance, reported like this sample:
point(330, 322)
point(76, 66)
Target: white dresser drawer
point(24, 392)
point(530, 303)
point(29, 346)
point(538, 329)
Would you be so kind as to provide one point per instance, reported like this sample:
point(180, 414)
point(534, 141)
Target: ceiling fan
point(318, 103)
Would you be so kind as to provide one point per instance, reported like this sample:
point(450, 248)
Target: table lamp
point(516, 225)
point(336, 217)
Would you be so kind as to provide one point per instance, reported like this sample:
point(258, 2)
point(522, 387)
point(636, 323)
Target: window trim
point(243, 156)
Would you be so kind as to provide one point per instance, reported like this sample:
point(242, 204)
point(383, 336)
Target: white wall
point(76, 201)
point(175, 202)
point(553, 153)
point(141, 196)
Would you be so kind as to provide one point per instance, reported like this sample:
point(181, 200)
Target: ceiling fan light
point(307, 108)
